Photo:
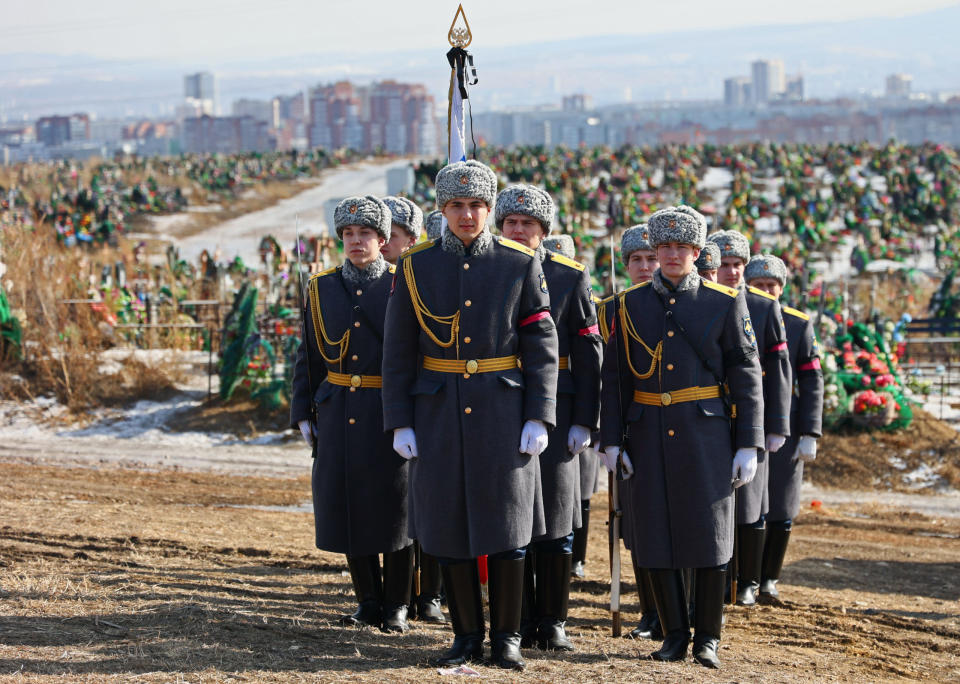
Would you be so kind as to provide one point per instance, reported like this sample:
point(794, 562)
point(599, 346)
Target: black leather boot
point(397, 577)
point(462, 583)
point(553, 598)
point(774, 550)
point(368, 588)
point(580, 541)
point(667, 588)
point(528, 605)
point(506, 588)
point(749, 558)
point(649, 627)
point(428, 603)
point(708, 621)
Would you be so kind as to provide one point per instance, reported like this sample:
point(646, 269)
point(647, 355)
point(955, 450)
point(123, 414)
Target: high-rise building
point(199, 93)
point(794, 90)
point(199, 86)
point(736, 92)
point(396, 117)
point(577, 103)
point(898, 85)
point(53, 130)
point(768, 80)
point(267, 111)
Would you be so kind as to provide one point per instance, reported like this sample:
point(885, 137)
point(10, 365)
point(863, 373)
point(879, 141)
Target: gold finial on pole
point(460, 36)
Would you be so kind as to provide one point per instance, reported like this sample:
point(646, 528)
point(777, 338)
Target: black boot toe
point(674, 647)
point(705, 652)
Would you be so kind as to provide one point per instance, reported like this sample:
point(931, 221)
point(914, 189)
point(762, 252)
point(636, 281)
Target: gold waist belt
point(676, 396)
point(346, 380)
point(470, 366)
point(564, 362)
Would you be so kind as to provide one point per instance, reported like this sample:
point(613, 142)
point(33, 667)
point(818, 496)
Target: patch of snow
point(923, 477)
point(897, 463)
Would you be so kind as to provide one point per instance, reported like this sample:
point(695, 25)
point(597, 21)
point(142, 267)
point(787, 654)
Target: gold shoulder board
point(566, 261)
point(323, 273)
point(634, 287)
point(761, 293)
point(506, 242)
point(795, 312)
point(729, 291)
point(426, 244)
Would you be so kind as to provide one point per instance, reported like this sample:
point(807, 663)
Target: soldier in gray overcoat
point(769, 273)
point(589, 462)
point(640, 259)
point(359, 483)
point(524, 213)
point(771, 337)
point(406, 225)
point(464, 310)
point(676, 343)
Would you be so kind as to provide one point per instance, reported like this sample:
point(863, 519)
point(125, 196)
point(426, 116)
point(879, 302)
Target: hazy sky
point(216, 30)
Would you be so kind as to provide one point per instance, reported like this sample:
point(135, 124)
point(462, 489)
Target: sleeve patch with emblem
point(543, 283)
point(748, 330)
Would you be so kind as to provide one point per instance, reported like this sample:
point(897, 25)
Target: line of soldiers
point(450, 397)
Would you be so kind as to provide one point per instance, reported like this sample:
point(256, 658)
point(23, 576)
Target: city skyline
point(838, 59)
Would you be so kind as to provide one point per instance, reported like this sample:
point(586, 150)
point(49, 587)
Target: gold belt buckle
point(472, 366)
point(666, 399)
point(355, 381)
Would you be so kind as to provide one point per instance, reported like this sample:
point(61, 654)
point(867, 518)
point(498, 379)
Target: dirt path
point(241, 236)
point(172, 570)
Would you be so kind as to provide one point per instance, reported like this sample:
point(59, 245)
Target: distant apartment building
point(577, 103)
point(768, 80)
point(199, 94)
point(396, 117)
point(224, 135)
point(898, 85)
point(794, 91)
point(267, 111)
point(737, 92)
point(57, 130)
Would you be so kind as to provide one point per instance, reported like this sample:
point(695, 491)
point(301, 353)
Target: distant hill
point(835, 59)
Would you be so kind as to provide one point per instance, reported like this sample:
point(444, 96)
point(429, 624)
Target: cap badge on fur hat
point(464, 180)
point(766, 267)
point(353, 209)
point(708, 258)
point(672, 223)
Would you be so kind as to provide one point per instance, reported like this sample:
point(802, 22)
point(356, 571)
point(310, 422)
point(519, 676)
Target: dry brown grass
point(62, 342)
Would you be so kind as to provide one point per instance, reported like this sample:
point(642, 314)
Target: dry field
point(117, 574)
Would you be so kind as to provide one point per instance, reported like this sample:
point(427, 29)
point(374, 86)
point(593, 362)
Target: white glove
point(807, 448)
point(308, 431)
point(533, 438)
point(744, 466)
point(609, 457)
point(774, 442)
point(405, 442)
point(578, 439)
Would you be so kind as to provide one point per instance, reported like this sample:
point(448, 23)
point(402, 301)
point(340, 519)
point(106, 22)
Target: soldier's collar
point(451, 243)
point(541, 253)
point(691, 281)
point(367, 274)
point(741, 286)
